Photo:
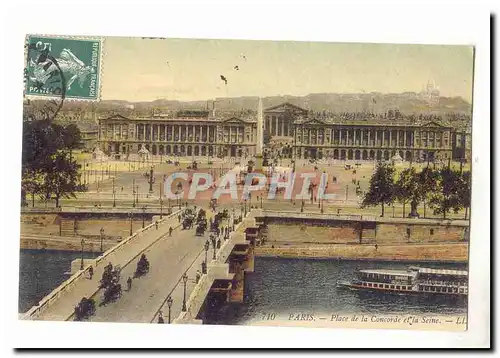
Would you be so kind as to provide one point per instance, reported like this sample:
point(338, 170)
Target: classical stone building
point(187, 133)
point(312, 135)
point(302, 134)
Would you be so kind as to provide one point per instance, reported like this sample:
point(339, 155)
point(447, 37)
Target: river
point(40, 271)
point(307, 286)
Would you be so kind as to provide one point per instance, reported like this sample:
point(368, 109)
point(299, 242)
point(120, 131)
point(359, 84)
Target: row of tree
point(443, 190)
point(48, 168)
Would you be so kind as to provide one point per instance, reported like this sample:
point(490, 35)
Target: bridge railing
point(48, 300)
point(215, 269)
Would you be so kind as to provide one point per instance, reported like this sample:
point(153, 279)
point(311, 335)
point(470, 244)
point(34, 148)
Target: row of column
point(372, 137)
point(234, 134)
point(278, 126)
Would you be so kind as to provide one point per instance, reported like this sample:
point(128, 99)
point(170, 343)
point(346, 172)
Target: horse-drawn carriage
point(109, 281)
point(188, 222)
point(142, 267)
point(112, 292)
point(84, 309)
point(201, 228)
point(109, 276)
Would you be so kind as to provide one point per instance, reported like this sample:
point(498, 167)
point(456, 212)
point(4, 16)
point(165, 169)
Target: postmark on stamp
point(73, 63)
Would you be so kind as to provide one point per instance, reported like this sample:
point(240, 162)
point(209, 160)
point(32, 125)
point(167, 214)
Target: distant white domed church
point(430, 93)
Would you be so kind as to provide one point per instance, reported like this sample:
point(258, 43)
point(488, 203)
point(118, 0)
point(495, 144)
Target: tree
point(41, 140)
point(46, 168)
point(381, 189)
point(61, 177)
point(427, 179)
point(32, 183)
point(406, 187)
point(464, 191)
point(445, 196)
point(72, 137)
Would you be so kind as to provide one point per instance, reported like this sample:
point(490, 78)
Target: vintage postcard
point(232, 182)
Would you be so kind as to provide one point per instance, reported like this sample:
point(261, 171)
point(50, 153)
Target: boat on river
point(414, 280)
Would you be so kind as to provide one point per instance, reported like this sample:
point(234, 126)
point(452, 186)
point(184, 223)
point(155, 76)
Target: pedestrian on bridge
point(156, 224)
point(198, 276)
point(179, 217)
point(129, 283)
point(91, 272)
point(170, 231)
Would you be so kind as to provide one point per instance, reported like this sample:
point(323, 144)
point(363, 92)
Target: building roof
point(284, 107)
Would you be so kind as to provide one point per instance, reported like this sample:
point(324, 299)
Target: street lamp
point(161, 208)
point(233, 218)
point(114, 194)
point(204, 264)
point(214, 243)
point(133, 192)
point(102, 236)
point(130, 215)
point(245, 207)
point(81, 261)
point(143, 215)
point(151, 180)
point(169, 304)
point(184, 280)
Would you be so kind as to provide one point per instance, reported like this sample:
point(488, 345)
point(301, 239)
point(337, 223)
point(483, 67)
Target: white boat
point(414, 280)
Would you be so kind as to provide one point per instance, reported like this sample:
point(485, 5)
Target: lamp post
point(214, 245)
point(137, 194)
point(102, 236)
point(143, 215)
point(169, 304)
point(204, 264)
point(130, 215)
point(245, 207)
point(184, 280)
point(161, 208)
point(261, 206)
point(114, 193)
point(81, 261)
point(233, 218)
point(151, 180)
point(133, 192)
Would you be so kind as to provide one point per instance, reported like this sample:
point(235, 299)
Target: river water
point(307, 286)
point(40, 271)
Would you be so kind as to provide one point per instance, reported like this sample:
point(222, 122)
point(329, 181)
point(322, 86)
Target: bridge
point(171, 258)
point(175, 261)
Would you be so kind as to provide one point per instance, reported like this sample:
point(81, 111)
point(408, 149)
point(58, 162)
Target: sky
point(137, 69)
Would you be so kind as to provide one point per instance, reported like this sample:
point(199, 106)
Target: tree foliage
point(381, 190)
point(47, 169)
point(406, 187)
point(445, 189)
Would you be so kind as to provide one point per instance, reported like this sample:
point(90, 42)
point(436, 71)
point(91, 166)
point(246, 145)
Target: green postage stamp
point(63, 67)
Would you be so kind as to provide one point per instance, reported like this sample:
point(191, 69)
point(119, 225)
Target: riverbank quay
point(443, 252)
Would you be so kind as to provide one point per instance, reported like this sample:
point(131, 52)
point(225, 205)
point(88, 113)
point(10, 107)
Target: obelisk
point(260, 137)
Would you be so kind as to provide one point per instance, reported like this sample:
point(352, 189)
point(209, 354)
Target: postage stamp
point(64, 66)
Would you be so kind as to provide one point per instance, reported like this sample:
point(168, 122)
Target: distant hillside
point(407, 103)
